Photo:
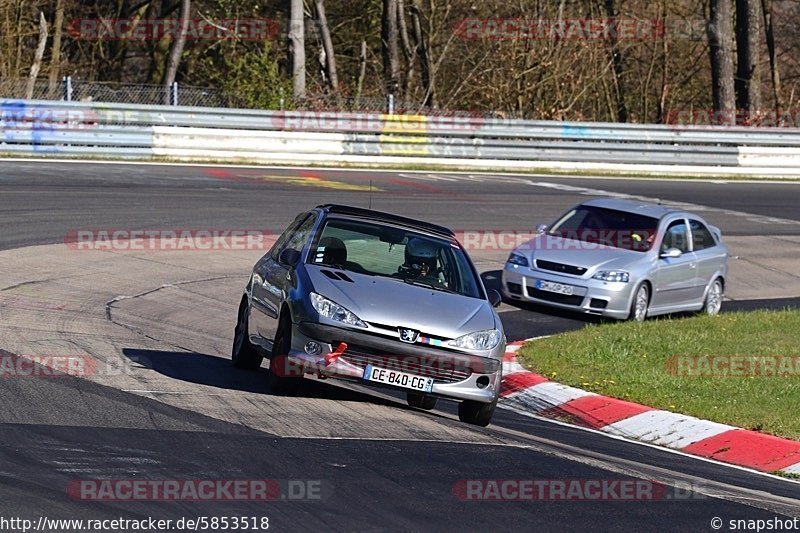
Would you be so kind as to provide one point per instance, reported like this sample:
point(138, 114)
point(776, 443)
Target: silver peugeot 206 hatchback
point(375, 298)
point(621, 259)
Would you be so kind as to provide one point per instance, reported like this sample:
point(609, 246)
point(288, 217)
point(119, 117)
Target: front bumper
point(456, 375)
point(611, 299)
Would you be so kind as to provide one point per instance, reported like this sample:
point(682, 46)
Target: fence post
point(390, 102)
point(68, 88)
point(175, 93)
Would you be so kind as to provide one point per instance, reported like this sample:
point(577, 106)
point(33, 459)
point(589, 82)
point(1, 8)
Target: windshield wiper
point(428, 285)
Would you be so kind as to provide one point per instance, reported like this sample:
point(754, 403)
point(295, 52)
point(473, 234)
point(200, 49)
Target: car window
point(701, 236)
point(676, 236)
point(608, 227)
point(296, 232)
point(379, 250)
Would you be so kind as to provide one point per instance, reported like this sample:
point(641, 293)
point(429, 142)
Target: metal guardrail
point(49, 128)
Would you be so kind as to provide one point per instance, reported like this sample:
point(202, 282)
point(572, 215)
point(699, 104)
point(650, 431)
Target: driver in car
point(421, 262)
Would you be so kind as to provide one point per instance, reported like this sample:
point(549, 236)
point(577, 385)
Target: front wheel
point(243, 353)
point(641, 301)
point(281, 378)
point(476, 413)
point(713, 302)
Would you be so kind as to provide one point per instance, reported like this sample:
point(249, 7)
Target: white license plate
point(550, 286)
point(398, 379)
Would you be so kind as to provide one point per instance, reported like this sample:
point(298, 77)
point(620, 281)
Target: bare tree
point(37, 58)
point(297, 48)
point(426, 70)
point(616, 58)
point(720, 40)
point(390, 46)
point(55, 54)
point(766, 8)
point(748, 51)
point(175, 53)
point(327, 46)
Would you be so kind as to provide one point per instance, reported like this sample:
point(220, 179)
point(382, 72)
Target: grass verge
point(741, 369)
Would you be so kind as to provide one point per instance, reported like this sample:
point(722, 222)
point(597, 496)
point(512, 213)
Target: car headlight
point(612, 275)
point(479, 340)
point(518, 259)
point(334, 311)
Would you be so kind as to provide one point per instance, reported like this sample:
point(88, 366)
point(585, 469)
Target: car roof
point(379, 216)
point(631, 206)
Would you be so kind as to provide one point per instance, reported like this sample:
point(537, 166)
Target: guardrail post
point(390, 104)
point(68, 88)
point(174, 88)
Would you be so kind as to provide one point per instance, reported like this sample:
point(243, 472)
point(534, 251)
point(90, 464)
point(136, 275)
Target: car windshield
point(397, 253)
point(608, 227)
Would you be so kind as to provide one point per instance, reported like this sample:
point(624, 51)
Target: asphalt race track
point(165, 404)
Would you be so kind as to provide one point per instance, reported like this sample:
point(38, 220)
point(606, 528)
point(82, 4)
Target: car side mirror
point(494, 298)
point(541, 228)
point(289, 257)
point(671, 253)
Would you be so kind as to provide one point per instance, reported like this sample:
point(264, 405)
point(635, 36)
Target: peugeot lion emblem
point(408, 335)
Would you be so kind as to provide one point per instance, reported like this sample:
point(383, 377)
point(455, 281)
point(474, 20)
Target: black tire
point(278, 382)
point(638, 314)
point(243, 353)
point(476, 413)
point(421, 401)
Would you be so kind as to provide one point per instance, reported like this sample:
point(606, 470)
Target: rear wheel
point(476, 413)
point(641, 302)
point(421, 401)
point(713, 302)
point(243, 353)
point(280, 378)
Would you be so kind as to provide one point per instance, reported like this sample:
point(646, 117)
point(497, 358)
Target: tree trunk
point(426, 71)
point(55, 54)
point(766, 8)
point(175, 53)
point(390, 46)
point(37, 58)
point(297, 48)
point(720, 40)
point(748, 71)
point(619, 69)
point(408, 50)
point(327, 45)
point(362, 73)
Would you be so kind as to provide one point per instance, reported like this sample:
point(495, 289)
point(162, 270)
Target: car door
point(709, 254)
point(270, 278)
point(674, 278)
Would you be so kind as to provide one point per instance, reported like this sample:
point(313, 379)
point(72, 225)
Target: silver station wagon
point(378, 299)
point(621, 259)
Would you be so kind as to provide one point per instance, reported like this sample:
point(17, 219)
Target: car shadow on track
point(218, 372)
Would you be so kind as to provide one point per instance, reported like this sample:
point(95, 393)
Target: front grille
point(441, 370)
point(555, 297)
point(560, 268)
